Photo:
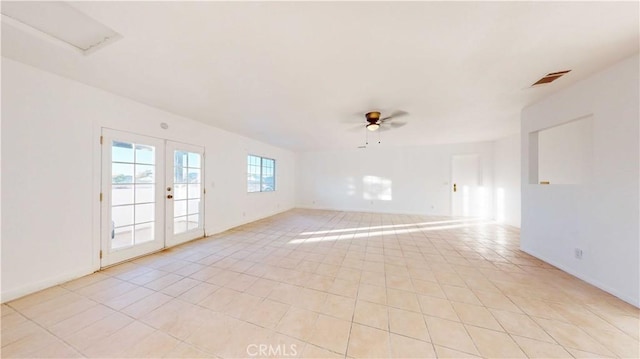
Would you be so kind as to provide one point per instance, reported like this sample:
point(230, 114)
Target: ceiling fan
point(375, 121)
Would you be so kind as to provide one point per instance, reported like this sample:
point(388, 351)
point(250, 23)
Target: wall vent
point(550, 77)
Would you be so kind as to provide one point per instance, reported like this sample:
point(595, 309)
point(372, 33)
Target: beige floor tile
point(408, 323)
point(267, 313)
point(184, 350)
point(522, 325)
point(616, 341)
point(371, 314)
point(462, 295)
point(298, 323)
point(495, 300)
point(120, 342)
point(570, 336)
point(38, 297)
point(219, 299)
point(437, 307)
point(494, 344)
point(315, 352)
point(156, 345)
point(80, 321)
point(261, 287)
point(450, 334)
point(344, 288)
point(269, 289)
point(214, 335)
point(242, 306)
point(537, 349)
point(338, 306)
point(179, 287)
point(198, 293)
point(128, 298)
point(367, 342)
point(331, 334)
point(579, 354)
point(163, 282)
point(84, 281)
point(98, 331)
point(146, 305)
point(476, 315)
point(448, 353)
point(402, 300)
point(405, 347)
point(372, 293)
point(428, 288)
point(177, 318)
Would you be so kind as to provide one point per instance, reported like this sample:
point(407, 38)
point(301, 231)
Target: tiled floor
point(328, 284)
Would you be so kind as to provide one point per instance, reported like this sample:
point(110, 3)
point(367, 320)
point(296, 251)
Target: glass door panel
point(185, 217)
point(133, 205)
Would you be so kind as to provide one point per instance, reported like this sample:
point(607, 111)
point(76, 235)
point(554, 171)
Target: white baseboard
point(30, 288)
point(623, 296)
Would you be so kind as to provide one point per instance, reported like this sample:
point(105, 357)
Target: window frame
point(260, 174)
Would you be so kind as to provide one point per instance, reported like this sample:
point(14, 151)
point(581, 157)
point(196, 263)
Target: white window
point(261, 174)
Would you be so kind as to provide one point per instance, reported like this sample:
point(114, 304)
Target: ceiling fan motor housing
point(373, 117)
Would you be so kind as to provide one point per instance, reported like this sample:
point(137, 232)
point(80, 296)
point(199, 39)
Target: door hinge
point(101, 254)
point(204, 191)
point(100, 196)
point(101, 139)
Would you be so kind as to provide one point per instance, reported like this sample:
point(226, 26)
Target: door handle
point(455, 188)
point(169, 196)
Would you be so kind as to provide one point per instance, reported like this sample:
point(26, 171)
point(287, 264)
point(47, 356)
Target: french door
point(151, 195)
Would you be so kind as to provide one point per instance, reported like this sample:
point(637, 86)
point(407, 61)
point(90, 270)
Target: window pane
point(145, 212)
point(121, 173)
point(193, 222)
point(145, 193)
point(145, 173)
point(179, 208)
point(180, 159)
point(121, 152)
point(193, 175)
point(145, 154)
point(121, 194)
point(122, 216)
point(180, 191)
point(179, 225)
point(122, 237)
point(180, 175)
point(144, 232)
point(194, 190)
point(193, 206)
point(193, 160)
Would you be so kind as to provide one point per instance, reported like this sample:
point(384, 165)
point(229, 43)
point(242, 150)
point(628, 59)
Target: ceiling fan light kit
point(373, 126)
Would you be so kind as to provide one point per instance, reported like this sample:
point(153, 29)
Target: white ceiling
point(294, 74)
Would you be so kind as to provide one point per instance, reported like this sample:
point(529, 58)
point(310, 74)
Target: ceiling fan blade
point(397, 124)
point(395, 114)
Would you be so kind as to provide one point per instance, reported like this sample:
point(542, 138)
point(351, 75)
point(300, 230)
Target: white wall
point(51, 174)
point(506, 180)
point(601, 214)
point(418, 177)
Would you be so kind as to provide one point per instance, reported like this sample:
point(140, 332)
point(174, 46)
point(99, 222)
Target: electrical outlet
point(578, 253)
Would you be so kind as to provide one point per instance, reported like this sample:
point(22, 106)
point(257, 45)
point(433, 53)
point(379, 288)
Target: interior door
point(184, 192)
point(467, 194)
point(132, 196)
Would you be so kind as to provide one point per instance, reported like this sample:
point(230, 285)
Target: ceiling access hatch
point(59, 22)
